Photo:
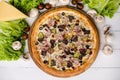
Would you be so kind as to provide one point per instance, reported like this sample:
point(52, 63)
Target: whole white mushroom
point(92, 12)
point(107, 50)
point(34, 12)
point(16, 45)
point(99, 18)
point(109, 38)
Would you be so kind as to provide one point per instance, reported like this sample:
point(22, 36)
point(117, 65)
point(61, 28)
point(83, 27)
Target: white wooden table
point(104, 67)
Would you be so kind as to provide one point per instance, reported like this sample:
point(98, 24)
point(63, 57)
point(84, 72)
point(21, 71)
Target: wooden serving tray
point(35, 54)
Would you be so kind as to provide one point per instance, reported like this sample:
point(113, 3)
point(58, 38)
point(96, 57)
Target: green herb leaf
point(25, 5)
point(104, 7)
point(11, 31)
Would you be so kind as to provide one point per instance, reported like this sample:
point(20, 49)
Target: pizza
point(64, 42)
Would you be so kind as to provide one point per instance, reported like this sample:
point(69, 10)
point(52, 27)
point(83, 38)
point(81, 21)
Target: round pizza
point(64, 41)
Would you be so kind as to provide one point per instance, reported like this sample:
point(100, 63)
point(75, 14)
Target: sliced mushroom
point(107, 49)
point(16, 45)
point(106, 29)
point(99, 18)
point(92, 12)
point(26, 56)
point(109, 37)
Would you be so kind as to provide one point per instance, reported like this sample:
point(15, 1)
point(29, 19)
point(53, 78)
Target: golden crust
point(35, 54)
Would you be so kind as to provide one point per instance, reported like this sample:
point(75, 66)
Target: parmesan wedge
point(8, 12)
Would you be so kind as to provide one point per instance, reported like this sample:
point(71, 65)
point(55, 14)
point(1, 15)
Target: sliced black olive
point(87, 46)
point(83, 52)
point(52, 42)
point(85, 31)
point(72, 49)
point(65, 41)
point(63, 56)
point(63, 68)
point(75, 49)
point(68, 25)
point(63, 13)
point(45, 25)
point(59, 41)
point(68, 52)
point(74, 38)
point(53, 62)
point(90, 52)
point(72, 53)
point(71, 18)
point(69, 64)
point(40, 28)
point(61, 27)
point(81, 62)
point(55, 24)
point(45, 62)
point(43, 53)
point(61, 30)
point(52, 46)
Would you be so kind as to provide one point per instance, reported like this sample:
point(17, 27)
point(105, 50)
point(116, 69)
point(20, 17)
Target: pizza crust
point(35, 54)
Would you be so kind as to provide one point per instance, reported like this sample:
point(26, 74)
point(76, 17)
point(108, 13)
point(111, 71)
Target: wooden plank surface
point(104, 67)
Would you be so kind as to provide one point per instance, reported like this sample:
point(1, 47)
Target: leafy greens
point(104, 7)
point(9, 32)
point(25, 5)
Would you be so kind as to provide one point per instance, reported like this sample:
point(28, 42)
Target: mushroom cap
point(99, 18)
point(109, 37)
point(106, 29)
point(16, 45)
point(92, 12)
point(107, 49)
point(33, 12)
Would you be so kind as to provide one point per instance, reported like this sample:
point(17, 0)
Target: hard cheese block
point(8, 12)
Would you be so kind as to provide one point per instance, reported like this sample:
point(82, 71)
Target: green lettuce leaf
point(11, 31)
point(25, 5)
point(104, 7)
point(111, 8)
point(99, 5)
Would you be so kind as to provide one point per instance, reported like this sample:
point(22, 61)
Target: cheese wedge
point(8, 12)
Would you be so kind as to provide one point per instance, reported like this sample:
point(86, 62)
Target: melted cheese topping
point(64, 41)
